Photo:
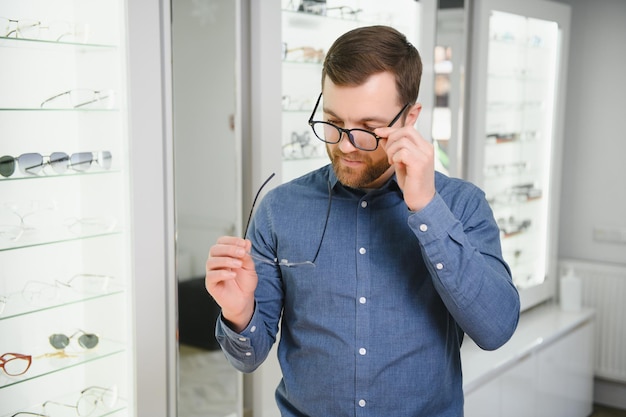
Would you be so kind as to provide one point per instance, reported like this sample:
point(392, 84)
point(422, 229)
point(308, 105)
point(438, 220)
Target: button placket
point(365, 214)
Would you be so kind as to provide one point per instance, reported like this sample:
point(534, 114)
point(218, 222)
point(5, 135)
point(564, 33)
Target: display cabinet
point(65, 287)
point(520, 105)
point(308, 30)
point(516, 109)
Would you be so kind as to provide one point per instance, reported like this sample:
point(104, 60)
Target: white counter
point(537, 329)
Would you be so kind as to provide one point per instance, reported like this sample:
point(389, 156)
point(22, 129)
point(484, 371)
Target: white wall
point(594, 171)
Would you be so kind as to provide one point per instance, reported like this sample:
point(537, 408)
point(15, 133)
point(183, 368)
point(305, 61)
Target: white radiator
point(604, 289)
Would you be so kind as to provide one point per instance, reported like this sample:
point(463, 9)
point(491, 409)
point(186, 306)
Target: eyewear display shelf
point(64, 244)
point(516, 131)
point(520, 101)
point(308, 30)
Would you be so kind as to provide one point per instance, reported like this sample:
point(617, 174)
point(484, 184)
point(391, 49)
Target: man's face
point(367, 106)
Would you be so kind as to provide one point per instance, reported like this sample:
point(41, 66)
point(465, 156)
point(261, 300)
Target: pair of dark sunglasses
point(60, 162)
point(85, 340)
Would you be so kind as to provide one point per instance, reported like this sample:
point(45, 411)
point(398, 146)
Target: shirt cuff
point(238, 346)
point(433, 222)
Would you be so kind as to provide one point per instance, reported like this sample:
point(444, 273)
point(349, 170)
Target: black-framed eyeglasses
point(362, 139)
point(286, 262)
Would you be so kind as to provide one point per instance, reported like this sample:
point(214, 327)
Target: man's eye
point(335, 122)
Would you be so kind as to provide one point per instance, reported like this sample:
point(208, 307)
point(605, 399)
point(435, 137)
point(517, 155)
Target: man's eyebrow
point(363, 120)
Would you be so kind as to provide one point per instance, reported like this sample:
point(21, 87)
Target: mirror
point(206, 181)
point(450, 77)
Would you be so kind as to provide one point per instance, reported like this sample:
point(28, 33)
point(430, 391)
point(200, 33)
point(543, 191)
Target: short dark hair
point(360, 53)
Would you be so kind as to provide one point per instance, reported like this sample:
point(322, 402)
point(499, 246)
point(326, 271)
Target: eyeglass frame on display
point(72, 30)
point(99, 400)
point(18, 356)
point(56, 285)
point(110, 94)
point(341, 131)
point(17, 27)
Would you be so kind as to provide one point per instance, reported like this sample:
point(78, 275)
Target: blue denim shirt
point(375, 327)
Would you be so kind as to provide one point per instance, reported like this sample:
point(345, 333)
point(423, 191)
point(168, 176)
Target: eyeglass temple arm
point(245, 232)
point(330, 202)
point(317, 103)
point(395, 119)
point(57, 403)
point(53, 97)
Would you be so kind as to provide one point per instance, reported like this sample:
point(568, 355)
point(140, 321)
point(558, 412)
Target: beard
point(357, 178)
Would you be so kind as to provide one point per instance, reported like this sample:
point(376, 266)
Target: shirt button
point(362, 251)
point(252, 329)
point(439, 266)
point(362, 403)
point(362, 300)
point(362, 351)
point(423, 227)
point(248, 353)
point(242, 339)
point(363, 204)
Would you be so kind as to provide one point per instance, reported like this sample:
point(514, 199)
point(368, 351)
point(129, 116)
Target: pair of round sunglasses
point(60, 162)
point(85, 340)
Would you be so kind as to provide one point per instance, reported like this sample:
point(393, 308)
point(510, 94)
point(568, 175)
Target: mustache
point(337, 153)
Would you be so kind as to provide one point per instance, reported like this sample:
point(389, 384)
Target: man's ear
point(413, 113)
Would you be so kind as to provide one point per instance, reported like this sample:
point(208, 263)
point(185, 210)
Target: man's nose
point(345, 144)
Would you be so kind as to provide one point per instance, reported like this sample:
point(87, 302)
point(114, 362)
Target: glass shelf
point(304, 111)
point(37, 109)
point(49, 362)
point(16, 177)
point(313, 64)
point(39, 43)
point(17, 304)
point(295, 16)
point(50, 239)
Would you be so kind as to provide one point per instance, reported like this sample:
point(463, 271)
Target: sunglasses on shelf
point(85, 340)
point(60, 162)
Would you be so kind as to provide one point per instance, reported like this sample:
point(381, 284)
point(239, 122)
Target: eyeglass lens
point(7, 165)
point(89, 283)
point(360, 138)
point(91, 397)
point(15, 364)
